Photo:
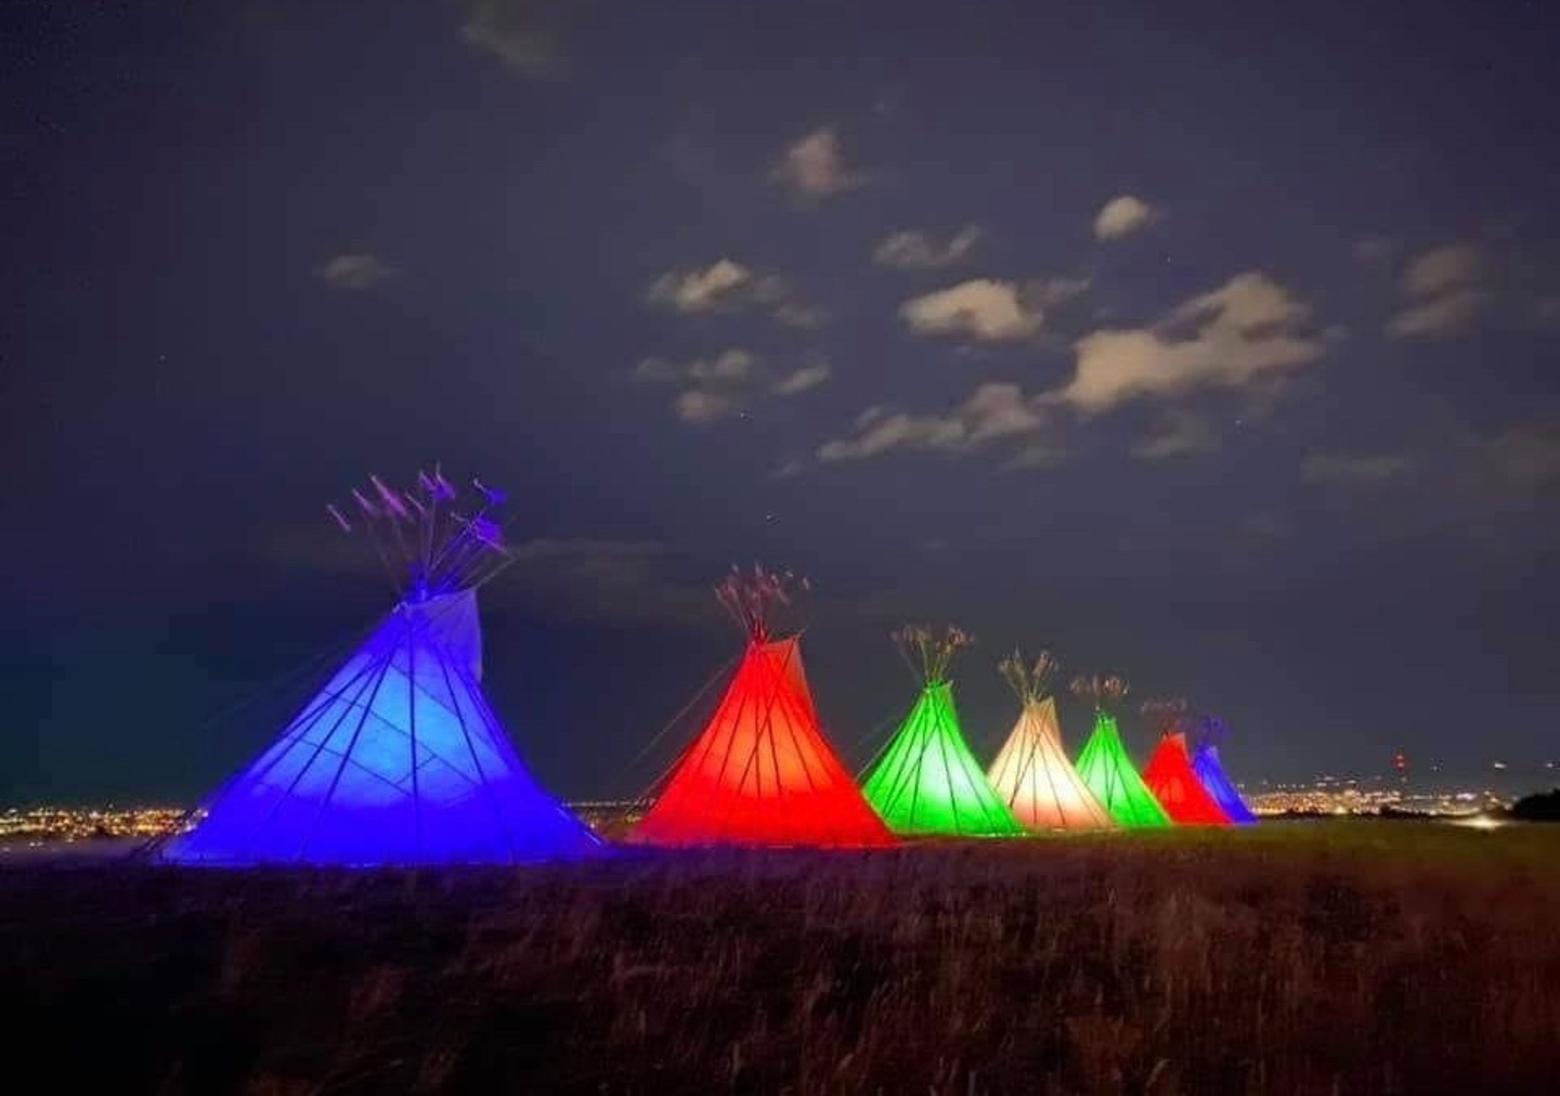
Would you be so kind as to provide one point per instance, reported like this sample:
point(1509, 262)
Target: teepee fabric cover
point(398, 760)
point(1170, 777)
point(1034, 778)
point(762, 772)
point(928, 782)
point(1107, 770)
point(1210, 771)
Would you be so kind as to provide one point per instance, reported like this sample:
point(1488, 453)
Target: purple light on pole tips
point(487, 531)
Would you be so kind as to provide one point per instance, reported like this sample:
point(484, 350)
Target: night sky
point(1217, 344)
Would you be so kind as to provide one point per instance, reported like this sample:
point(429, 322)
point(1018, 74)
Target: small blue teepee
point(399, 759)
point(1210, 773)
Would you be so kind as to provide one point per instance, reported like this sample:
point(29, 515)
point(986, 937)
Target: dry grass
point(1353, 957)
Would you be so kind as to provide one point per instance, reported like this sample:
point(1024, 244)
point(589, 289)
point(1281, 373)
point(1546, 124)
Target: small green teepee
point(927, 781)
point(1105, 766)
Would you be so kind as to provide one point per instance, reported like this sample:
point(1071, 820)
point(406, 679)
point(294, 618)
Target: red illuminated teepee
point(762, 772)
point(1170, 775)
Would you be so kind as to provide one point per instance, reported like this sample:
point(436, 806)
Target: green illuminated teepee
point(927, 781)
point(1104, 764)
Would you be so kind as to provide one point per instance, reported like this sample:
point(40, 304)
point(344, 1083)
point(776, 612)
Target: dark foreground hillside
point(1351, 958)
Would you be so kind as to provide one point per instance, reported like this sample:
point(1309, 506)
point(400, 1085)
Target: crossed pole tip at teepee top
point(1167, 714)
point(1030, 680)
point(1106, 691)
point(1211, 730)
point(428, 540)
point(929, 650)
point(752, 597)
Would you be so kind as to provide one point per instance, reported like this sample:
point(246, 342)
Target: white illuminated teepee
point(1031, 772)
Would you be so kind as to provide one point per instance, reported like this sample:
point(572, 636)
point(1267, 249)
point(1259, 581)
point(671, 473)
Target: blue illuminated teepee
point(398, 759)
point(1210, 771)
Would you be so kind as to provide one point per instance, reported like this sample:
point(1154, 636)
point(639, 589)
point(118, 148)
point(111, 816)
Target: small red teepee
point(1169, 773)
point(762, 772)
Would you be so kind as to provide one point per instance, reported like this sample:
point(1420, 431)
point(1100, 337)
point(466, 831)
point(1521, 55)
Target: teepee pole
point(370, 668)
point(947, 769)
point(908, 775)
point(791, 720)
point(346, 754)
point(687, 750)
point(476, 762)
point(411, 706)
point(776, 688)
point(753, 763)
point(731, 739)
point(920, 759)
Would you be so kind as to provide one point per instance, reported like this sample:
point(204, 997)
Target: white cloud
point(1052, 292)
point(656, 369)
point(1122, 216)
point(795, 314)
point(526, 35)
point(729, 286)
point(1181, 434)
point(727, 384)
point(913, 249)
point(998, 411)
point(716, 388)
point(983, 309)
point(1440, 316)
point(993, 411)
point(807, 377)
point(706, 290)
point(356, 270)
point(1442, 291)
point(814, 166)
point(701, 405)
point(1440, 269)
point(1355, 470)
point(734, 365)
point(1248, 330)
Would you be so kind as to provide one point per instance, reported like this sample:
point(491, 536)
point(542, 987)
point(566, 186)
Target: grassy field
point(1296, 957)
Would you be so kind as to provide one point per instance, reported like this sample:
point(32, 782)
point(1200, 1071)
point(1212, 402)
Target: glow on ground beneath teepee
point(928, 782)
point(1107, 770)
